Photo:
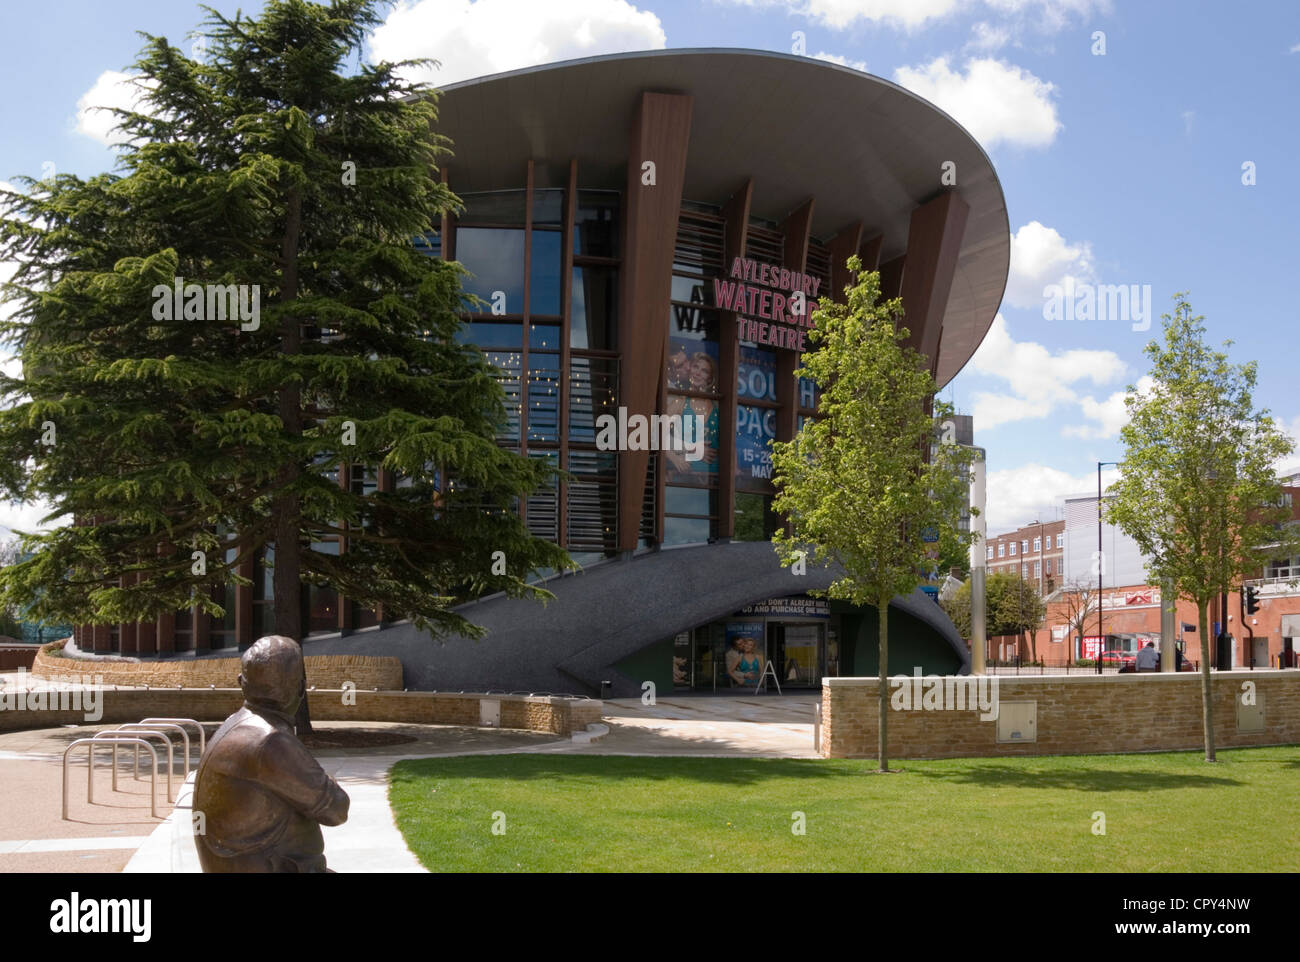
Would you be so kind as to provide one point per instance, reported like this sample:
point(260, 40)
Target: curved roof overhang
point(864, 148)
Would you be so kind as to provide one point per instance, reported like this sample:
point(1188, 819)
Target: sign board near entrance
point(794, 607)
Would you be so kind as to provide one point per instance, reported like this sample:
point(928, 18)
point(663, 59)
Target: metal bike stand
point(146, 734)
point(182, 721)
point(91, 744)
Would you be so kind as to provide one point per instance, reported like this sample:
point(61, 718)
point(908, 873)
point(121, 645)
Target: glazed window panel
point(754, 519)
point(693, 365)
point(499, 207)
point(545, 270)
point(688, 530)
point(688, 322)
point(544, 398)
point(595, 224)
point(495, 259)
point(593, 391)
point(548, 207)
point(690, 501)
point(693, 455)
point(755, 430)
point(594, 309)
point(507, 369)
point(489, 334)
point(756, 375)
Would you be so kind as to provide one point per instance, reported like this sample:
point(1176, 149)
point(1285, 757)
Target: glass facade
point(542, 302)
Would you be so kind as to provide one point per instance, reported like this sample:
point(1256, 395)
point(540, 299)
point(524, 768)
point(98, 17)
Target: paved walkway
point(117, 833)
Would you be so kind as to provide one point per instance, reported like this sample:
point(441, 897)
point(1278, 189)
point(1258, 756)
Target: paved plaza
point(117, 832)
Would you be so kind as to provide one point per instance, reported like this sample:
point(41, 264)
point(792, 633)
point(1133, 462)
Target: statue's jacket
point(263, 798)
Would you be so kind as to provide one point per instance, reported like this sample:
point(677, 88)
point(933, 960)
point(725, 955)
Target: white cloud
point(997, 102)
point(1038, 381)
point(23, 516)
point(1296, 48)
point(112, 89)
point(841, 60)
point(1044, 15)
point(1109, 414)
point(1290, 464)
point(1033, 492)
point(986, 38)
point(1041, 256)
point(1189, 120)
point(474, 38)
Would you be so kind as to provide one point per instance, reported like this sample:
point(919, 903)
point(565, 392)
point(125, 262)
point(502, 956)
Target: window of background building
point(1038, 544)
point(988, 552)
point(1038, 570)
point(1048, 570)
point(1013, 549)
point(1001, 549)
point(1024, 546)
point(1024, 571)
point(1060, 540)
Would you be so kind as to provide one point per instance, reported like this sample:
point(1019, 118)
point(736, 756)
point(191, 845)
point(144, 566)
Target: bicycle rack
point(182, 721)
point(156, 726)
point(146, 733)
point(91, 744)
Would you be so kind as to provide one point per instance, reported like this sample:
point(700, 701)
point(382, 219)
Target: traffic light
point(1252, 599)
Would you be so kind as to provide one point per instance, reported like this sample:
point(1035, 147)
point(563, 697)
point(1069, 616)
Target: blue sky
point(1122, 168)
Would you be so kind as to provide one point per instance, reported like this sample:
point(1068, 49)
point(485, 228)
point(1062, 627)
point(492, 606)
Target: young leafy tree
point(1080, 597)
point(180, 443)
point(866, 485)
point(1198, 486)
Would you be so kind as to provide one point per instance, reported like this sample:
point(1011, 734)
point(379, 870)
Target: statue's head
point(271, 674)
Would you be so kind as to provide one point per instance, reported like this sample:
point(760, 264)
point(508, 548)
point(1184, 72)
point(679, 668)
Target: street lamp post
point(1101, 568)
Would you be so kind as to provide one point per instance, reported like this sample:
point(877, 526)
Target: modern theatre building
point(639, 227)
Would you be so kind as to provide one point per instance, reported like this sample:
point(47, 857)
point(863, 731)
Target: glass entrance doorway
point(795, 648)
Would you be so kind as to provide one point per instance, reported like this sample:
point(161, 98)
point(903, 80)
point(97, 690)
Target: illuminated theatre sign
point(775, 304)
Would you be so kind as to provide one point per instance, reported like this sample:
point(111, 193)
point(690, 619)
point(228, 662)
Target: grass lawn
point(1164, 813)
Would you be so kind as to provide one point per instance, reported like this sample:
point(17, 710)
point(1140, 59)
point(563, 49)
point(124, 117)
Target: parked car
point(1118, 659)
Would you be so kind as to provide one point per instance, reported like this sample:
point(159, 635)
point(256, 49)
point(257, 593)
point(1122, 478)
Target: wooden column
point(870, 252)
point(660, 134)
point(933, 244)
point(891, 278)
point(843, 246)
point(736, 231)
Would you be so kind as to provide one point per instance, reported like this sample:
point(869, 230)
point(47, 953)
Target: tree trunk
point(883, 748)
point(288, 527)
point(1207, 702)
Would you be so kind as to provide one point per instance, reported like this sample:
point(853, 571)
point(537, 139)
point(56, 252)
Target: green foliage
point(1012, 605)
point(856, 483)
point(1198, 492)
point(172, 434)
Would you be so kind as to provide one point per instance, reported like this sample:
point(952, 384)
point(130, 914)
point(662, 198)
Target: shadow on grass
point(720, 771)
point(994, 776)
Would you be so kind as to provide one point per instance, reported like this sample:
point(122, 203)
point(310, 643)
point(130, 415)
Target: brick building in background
point(1036, 552)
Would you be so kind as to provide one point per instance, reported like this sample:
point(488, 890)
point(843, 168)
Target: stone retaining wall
point(324, 671)
point(558, 716)
point(1075, 714)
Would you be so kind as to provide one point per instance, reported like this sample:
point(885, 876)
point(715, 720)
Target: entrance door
point(800, 662)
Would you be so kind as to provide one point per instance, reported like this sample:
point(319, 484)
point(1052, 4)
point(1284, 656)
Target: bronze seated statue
point(262, 794)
